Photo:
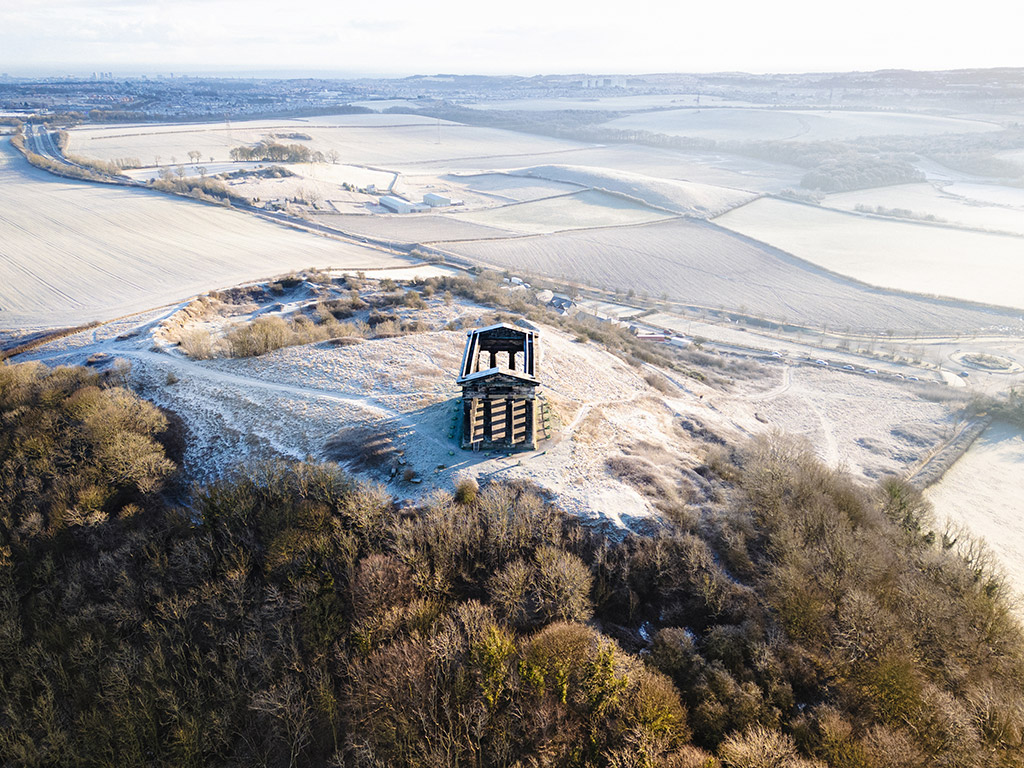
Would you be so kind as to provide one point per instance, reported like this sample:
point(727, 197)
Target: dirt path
point(781, 389)
point(830, 453)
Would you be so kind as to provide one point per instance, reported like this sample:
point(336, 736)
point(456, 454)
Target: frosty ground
point(614, 430)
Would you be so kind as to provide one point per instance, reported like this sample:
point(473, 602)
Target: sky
point(524, 37)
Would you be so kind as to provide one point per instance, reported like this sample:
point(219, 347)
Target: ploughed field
point(924, 258)
point(72, 252)
point(422, 228)
point(523, 195)
point(580, 210)
point(359, 139)
point(702, 264)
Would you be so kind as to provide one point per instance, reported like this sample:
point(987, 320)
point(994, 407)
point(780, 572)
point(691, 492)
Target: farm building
point(561, 304)
point(398, 205)
point(436, 201)
point(499, 388)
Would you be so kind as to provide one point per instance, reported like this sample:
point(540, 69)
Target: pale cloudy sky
point(502, 36)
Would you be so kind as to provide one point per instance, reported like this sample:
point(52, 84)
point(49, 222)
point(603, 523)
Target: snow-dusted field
point(739, 124)
point(510, 188)
point(967, 205)
point(408, 228)
point(984, 492)
point(580, 210)
point(689, 198)
point(988, 194)
point(921, 258)
point(699, 263)
point(373, 139)
point(72, 252)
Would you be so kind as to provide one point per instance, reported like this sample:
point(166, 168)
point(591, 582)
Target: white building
point(398, 205)
point(436, 201)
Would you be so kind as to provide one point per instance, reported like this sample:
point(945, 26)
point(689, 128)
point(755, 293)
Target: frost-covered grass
point(982, 492)
point(910, 257)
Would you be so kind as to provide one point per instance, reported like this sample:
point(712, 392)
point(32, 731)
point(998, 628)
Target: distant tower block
point(499, 388)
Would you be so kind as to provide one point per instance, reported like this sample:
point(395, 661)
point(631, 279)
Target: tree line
point(291, 615)
point(273, 151)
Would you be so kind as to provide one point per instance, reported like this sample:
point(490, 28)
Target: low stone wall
point(935, 466)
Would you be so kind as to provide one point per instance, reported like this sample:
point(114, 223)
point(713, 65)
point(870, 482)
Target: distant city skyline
point(402, 37)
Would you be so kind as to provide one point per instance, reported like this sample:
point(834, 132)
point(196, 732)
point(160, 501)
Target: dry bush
point(510, 592)
point(70, 447)
point(660, 383)
point(197, 343)
point(892, 748)
point(262, 335)
point(688, 756)
point(761, 747)
point(265, 334)
point(381, 582)
point(388, 329)
point(466, 490)
point(563, 585)
point(413, 300)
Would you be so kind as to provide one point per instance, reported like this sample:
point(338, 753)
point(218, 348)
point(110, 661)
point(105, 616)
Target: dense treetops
point(272, 151)
point(291, 616)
